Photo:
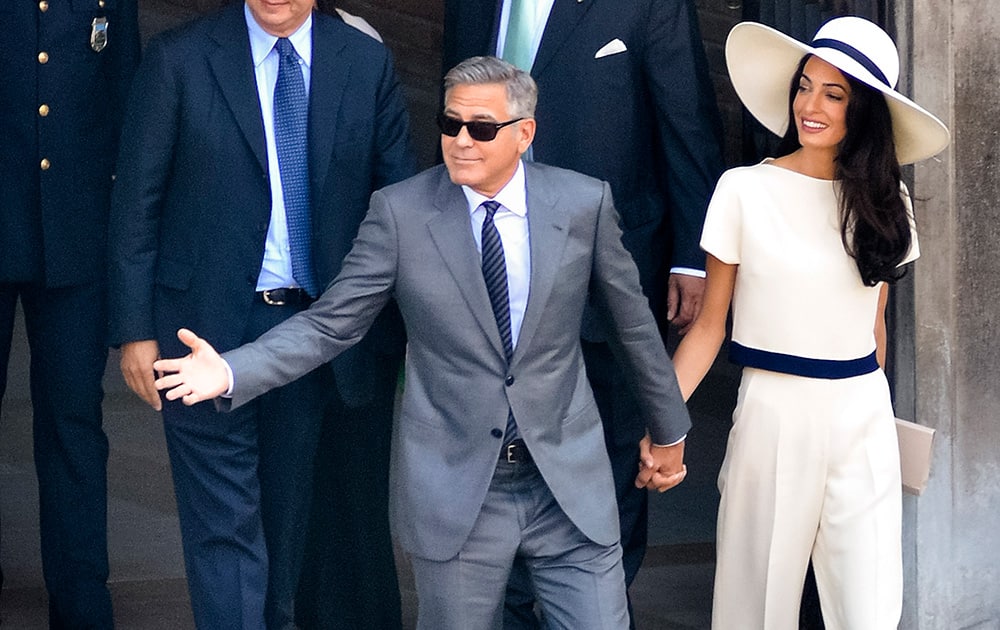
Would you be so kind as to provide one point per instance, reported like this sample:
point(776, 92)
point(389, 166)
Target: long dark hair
point(874, 222)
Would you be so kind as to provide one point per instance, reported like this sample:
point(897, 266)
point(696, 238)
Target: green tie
point(520, 33)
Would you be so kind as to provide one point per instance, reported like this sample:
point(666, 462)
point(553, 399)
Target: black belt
point(515, 453)
point(281, 297)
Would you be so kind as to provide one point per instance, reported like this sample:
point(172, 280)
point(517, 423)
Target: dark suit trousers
point(349, 575)
point(243, 482)
point(68, 340)
point(623, 429)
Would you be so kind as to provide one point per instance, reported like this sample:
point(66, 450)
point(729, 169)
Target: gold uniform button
point(43, 110)
point(43, 6)
point(100, 3)
point(43, 57)
point(45, 164)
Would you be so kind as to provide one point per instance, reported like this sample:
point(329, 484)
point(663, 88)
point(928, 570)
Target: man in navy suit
point(206, 220)
point(624, 95)
point(67, 69)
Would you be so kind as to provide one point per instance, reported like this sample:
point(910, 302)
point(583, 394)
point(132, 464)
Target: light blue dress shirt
point(276, 271)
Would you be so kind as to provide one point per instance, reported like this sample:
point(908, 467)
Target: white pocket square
point(613, 47)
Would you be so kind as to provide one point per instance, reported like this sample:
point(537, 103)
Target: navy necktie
point(495, 275)
point(291, 124)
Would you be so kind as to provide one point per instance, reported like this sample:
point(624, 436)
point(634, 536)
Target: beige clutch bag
point(915, 442)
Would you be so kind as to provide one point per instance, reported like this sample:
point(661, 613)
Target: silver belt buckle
point(268, 300)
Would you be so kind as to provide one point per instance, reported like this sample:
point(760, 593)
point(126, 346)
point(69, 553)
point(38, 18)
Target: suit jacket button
point(509, 380)
point(497, 433)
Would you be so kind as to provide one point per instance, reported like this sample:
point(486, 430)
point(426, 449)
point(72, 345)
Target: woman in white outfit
point(803, 246)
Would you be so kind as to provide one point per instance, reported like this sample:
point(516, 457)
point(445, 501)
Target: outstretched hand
point(660, 467)
point(199, 376)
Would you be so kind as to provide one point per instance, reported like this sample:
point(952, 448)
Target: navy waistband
point(801, 366)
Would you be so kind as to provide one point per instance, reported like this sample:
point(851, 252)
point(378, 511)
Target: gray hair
point(522, 93)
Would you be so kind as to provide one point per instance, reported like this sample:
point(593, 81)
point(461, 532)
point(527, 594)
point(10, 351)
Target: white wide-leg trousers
point(811, 470)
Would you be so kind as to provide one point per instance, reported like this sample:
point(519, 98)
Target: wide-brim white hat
point(762, 62)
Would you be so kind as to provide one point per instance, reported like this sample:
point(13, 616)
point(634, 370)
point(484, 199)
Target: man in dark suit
point(67, 69)
point(348, 577)
point(624, 96)
point(498, 452)
point(253, 140)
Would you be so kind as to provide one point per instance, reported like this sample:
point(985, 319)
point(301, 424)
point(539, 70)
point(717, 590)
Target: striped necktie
point(495, 275)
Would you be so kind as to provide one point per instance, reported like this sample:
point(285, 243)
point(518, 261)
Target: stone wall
point(952, 532)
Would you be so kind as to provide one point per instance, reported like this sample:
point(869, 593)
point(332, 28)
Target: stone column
point(951, 56)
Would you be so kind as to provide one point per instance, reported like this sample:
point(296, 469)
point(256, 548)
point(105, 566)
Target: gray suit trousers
point(579, 583)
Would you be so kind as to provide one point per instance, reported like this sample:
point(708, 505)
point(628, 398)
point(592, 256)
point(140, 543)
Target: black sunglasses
point(479, 130)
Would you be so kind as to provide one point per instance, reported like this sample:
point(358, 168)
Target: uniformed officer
point(67, 68)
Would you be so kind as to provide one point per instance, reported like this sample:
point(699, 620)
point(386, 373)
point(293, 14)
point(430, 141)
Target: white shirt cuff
point(688, 271)
point(684, 437)
point(229, 373)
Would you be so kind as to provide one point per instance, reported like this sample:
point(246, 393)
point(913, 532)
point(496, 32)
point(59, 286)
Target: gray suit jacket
point(416, 245)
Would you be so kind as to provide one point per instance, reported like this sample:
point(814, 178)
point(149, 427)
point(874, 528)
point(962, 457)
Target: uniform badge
point(99, 34)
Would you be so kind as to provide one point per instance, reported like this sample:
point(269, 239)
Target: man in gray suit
point(499, 451)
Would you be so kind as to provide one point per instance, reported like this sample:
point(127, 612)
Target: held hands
point(660, 467)
point(199, 376)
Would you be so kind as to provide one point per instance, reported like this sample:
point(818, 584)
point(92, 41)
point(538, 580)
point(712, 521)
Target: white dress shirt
point(276, 271)
point(511, 220)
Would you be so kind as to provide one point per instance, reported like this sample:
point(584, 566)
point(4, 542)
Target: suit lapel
point(563, 18)
point(329, 80)
point(548, 230)
point(451, 232)
point(495, 28)
point(232, 66)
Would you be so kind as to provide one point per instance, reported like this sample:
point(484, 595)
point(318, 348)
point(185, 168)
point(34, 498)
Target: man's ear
point(526, 131)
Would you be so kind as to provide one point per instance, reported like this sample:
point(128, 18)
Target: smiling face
point(820, 106)
point(280, 17)
point(484, 166)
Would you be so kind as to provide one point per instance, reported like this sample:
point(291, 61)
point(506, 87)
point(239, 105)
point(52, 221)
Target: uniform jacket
point(60, 101)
